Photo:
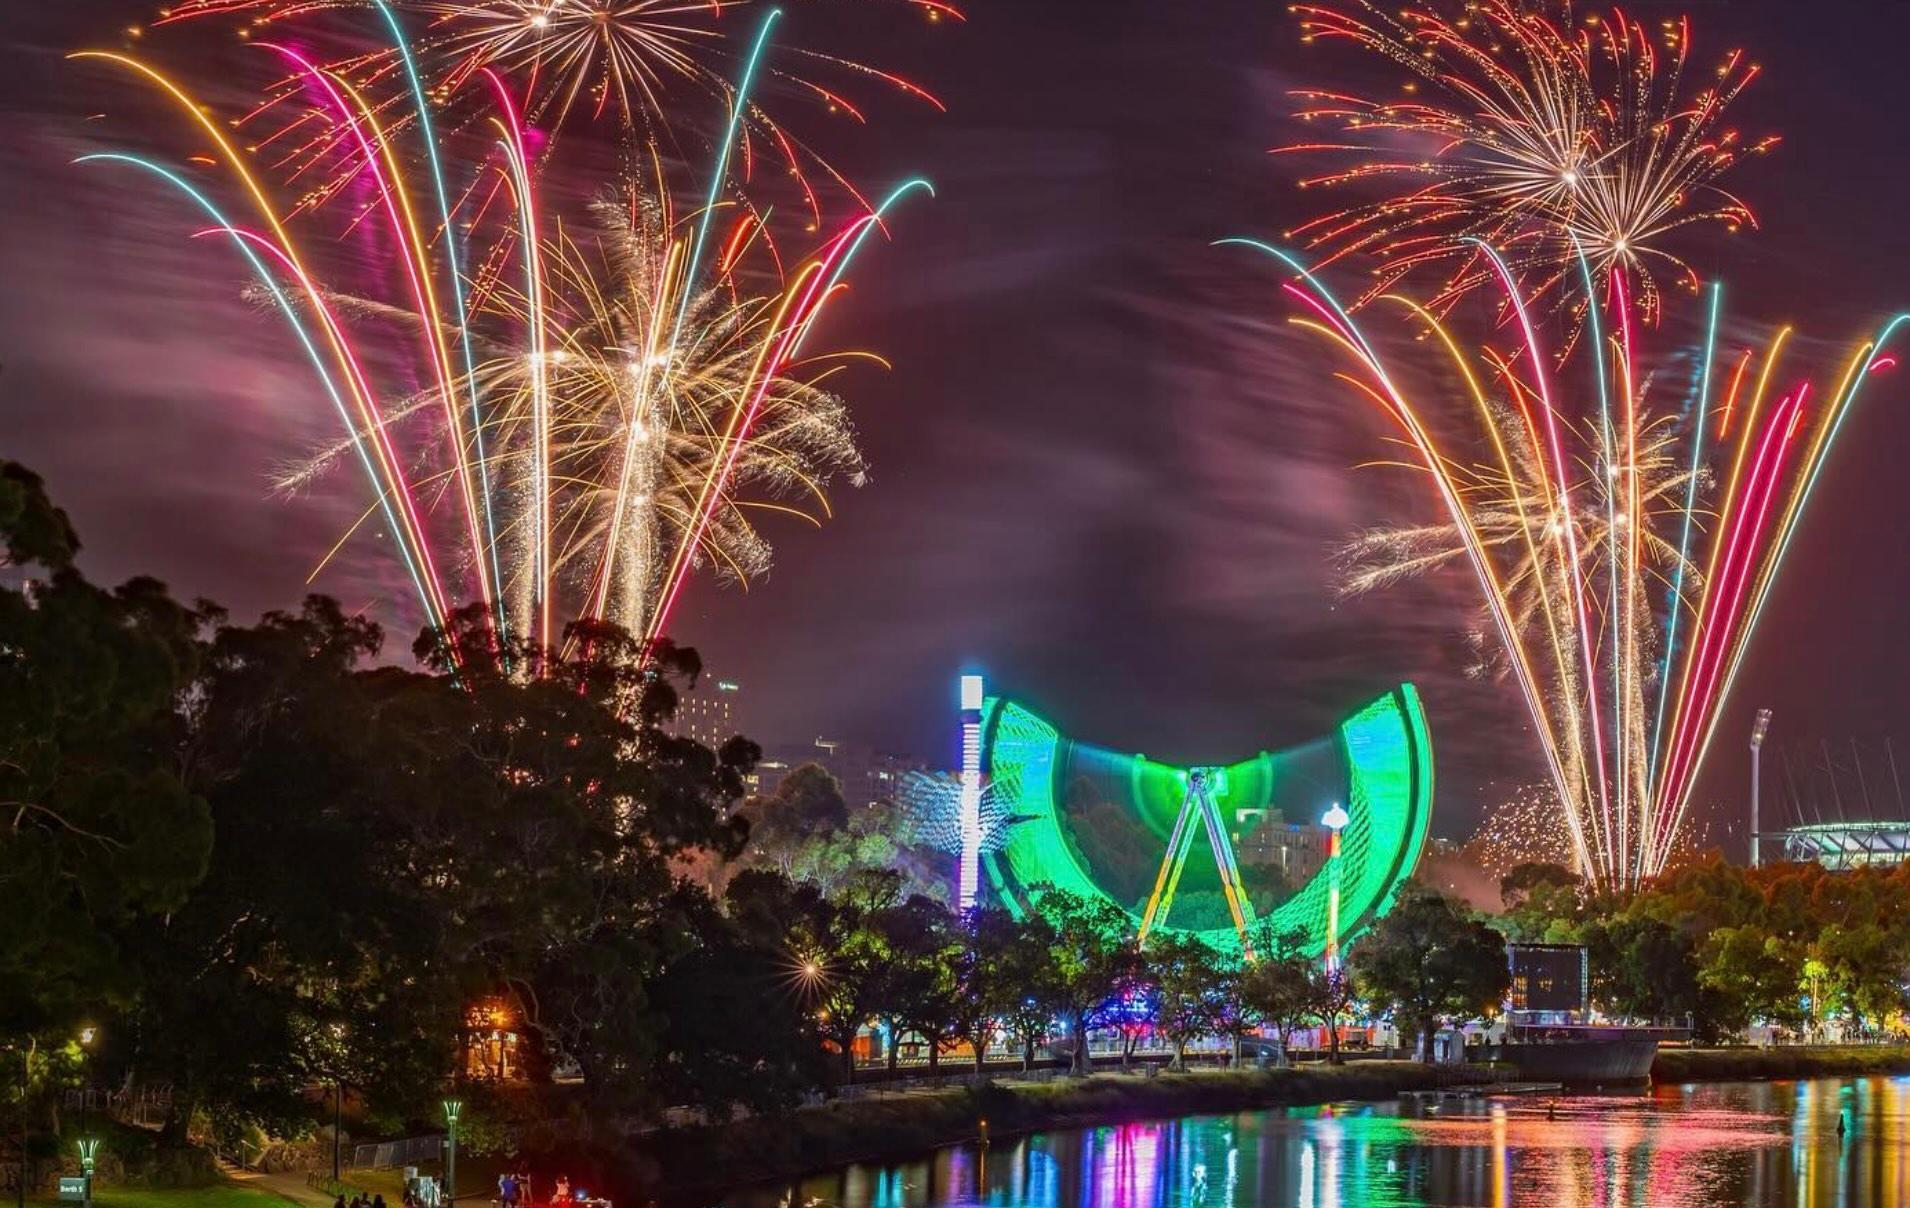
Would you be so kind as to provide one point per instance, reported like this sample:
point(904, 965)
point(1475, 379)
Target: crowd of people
point(515, 1190)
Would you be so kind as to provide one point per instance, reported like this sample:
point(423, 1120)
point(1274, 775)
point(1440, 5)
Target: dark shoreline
point(1752, 1064)
point(678, 1166)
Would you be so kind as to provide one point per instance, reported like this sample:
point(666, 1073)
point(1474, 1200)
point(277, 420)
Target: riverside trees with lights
point(1430, 959)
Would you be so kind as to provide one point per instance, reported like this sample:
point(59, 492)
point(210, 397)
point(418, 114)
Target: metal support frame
point(1198, 803)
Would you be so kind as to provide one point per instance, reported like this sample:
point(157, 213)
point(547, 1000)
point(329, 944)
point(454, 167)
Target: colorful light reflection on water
point(1676, 1147)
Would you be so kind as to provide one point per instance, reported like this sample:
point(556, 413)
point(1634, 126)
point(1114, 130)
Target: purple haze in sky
point(1104, 470)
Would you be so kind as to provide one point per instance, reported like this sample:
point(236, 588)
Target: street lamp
point(87, 1034)
point(338, 1103)
point(1335, 820)
point(452, 1109)
point(89, 1149)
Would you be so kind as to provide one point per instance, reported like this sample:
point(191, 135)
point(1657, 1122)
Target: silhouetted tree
point(1187, 977)
point(1429, 958)
point(1094, 956)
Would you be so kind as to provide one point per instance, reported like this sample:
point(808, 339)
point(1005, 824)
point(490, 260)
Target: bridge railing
point(388, 1155)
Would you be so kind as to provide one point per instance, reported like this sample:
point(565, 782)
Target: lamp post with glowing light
point(87, 1035)
point(1335, 820)
point(89, 1150)
point(452, 1109)
point(338, 1098)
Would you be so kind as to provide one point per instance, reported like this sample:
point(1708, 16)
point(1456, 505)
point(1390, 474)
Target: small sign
point(72, 1189)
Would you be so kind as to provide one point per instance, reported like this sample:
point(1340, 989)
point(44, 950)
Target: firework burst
point(1496, 497)
point(633, 407)
point(1623, 560)
point(640, 66)
point(602, 410)
point(636, 428)
point(1524, 128)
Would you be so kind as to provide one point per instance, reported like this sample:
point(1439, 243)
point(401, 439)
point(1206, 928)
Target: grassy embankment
point(904, 1124)
point(476, 1181)
point(1740, 1064)
point(886, 1126)
point(216, 1195)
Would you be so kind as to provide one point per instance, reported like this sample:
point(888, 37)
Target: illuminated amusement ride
point(1126, 829)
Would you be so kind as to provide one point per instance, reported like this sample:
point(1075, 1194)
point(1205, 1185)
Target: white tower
point(968, 873)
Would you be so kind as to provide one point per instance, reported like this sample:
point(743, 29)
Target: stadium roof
point(1841, 845)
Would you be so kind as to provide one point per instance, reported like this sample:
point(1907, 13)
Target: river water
point(1674, 1147)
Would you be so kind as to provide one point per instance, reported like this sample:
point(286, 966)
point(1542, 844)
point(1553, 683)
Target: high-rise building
point(867, 775)
point(709, 712)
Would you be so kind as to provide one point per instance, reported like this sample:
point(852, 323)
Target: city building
point(867, 775)
point(1264, 837)
point(709, 712)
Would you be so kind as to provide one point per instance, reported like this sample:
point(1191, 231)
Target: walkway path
point(286, 1186)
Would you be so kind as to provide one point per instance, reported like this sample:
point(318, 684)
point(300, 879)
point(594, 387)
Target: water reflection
point(1733, 1143)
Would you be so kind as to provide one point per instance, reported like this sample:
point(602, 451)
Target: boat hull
point(1601, 1062)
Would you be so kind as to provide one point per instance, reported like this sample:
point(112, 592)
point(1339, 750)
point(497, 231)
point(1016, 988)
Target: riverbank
point(1745, 1064)
point(678, 1163)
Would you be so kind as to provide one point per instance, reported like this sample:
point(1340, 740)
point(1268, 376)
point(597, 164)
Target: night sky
point(1103, 470)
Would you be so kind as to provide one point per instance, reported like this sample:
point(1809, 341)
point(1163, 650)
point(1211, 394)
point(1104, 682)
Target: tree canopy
point(100, 828)
point(1430, 959)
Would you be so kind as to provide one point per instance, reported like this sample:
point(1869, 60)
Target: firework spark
point(641, 65)
point(1623, 573)
point(637, 416)
point(601, 410)
point(1496, 499)
point(1543, 136)
point(631, 417)
point(1522, 829)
